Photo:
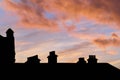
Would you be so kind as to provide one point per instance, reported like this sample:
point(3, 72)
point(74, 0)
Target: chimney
point(92, 59)
point(81, 61)
point(33, 60)
point(52, 58)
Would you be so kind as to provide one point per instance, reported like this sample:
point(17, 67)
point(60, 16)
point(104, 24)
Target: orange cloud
point(31, 12)
point(114, 40)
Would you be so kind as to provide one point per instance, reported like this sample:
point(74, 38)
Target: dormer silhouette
point(52, 58)
point(7, 48)
point(92, 59)
point(81, 61)
point(33, 60)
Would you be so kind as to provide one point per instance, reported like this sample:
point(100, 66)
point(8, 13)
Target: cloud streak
point(113, 41)
point(76, 47)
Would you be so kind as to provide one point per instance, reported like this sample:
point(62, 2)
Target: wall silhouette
point(7, 48)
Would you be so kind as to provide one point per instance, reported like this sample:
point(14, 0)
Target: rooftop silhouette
point(85, 68)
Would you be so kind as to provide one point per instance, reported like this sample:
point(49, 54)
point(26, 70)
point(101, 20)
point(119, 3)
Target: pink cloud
point(31, 12)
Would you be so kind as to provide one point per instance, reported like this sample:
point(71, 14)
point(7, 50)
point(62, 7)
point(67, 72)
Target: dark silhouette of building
point(52, 58)
point(89, 71)
point(7, 48)
point(33, 60)
point(92, 59)
point(81, 61)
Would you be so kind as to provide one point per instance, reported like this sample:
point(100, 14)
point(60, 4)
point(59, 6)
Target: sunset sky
point(73, 28)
